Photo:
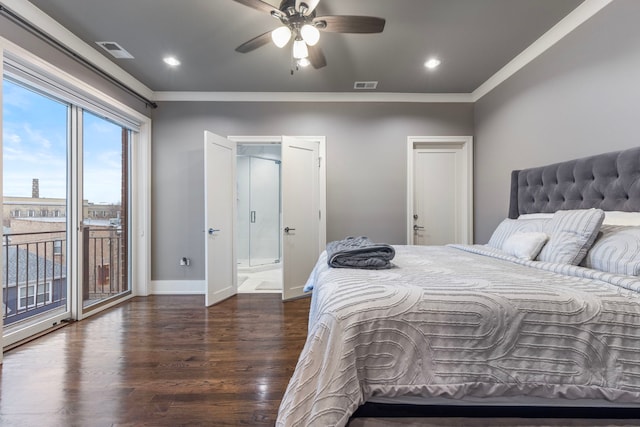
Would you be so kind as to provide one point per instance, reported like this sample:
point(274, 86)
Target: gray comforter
point(359, 252)
point(451, 323)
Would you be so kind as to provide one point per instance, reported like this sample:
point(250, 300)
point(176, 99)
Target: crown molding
point(569, 23)
point(53, 28)
point(313, 97)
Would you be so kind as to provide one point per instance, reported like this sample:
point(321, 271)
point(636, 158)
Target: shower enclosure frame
point(259, 210)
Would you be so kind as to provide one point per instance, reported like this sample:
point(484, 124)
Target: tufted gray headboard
point(609, 181)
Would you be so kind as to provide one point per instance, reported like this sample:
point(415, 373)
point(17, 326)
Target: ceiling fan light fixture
point(310, 34)
point(300, 49)
point(304, 62)
point(303, 28)
point(281, 36)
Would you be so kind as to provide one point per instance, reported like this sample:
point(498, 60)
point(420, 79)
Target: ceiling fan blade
point(350, 24)
point(311, 5)
point(255, 43)
point(316, 57)
point(258, 4)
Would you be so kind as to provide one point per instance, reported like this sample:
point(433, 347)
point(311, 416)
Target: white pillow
point(525, 245)
point(621, 218)
point(536, 216)
point(571, 234)
point(509, 226)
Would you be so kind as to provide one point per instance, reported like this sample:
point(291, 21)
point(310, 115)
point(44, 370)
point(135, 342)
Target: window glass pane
point(105, 186)
point(34, 161)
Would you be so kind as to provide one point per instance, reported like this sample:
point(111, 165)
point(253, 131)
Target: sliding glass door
point(66, 197)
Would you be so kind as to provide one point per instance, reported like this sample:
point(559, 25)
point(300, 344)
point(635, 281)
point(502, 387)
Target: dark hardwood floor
point(169, 361)
point(159, 361)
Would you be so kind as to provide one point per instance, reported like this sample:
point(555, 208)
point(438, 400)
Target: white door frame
point(322, 145)
point(466, 142)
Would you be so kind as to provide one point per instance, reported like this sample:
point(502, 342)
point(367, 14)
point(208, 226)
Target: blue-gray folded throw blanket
point(359, 252)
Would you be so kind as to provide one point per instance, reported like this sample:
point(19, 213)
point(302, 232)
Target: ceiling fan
point(300, 23)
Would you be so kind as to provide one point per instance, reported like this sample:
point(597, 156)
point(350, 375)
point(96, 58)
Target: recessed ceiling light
point(171, 60)
point(432, 63)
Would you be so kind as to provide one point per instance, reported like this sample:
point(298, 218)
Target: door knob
point(417, 227)
point(213, 230)
point(287, 229)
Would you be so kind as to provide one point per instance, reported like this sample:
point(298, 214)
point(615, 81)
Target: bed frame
point(609, 181)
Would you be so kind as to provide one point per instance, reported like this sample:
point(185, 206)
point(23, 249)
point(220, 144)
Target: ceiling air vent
point(115, 50)
point(365, 85)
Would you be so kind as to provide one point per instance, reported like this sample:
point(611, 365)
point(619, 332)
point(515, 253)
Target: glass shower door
point(264, 214)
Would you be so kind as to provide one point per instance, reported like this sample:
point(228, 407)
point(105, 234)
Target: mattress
point(464, 322)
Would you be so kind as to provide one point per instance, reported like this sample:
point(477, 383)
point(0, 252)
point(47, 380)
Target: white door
point(300, 213)
point(435, 207)
point(440, 191)
point(220, 216)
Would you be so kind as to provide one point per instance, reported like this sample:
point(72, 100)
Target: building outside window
point(27, 297)
point(57, 247)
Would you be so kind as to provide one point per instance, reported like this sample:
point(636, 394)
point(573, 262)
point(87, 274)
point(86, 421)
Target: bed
point(546, 313)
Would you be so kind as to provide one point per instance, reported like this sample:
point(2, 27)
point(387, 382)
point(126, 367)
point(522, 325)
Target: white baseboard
point(177, 287)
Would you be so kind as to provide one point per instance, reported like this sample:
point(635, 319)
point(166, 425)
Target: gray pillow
point(510, 226)
point(571, 234)
point(616, 250)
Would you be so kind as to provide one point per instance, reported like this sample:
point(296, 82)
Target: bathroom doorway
point(259, 218)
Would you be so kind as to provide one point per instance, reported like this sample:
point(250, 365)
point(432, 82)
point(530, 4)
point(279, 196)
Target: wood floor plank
point(159, 361)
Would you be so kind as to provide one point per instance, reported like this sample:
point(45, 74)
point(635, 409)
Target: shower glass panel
point(264, 216)
point(259, 211)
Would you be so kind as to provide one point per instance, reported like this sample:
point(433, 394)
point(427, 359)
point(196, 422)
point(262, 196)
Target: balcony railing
point(104, 260)
point(35, 277)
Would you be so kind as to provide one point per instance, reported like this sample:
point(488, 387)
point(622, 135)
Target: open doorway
point(300, 223)
point(259, 221)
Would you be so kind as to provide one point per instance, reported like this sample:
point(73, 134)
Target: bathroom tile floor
point(260, 279)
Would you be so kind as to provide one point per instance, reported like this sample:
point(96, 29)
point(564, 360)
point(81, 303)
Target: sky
point(35, 146)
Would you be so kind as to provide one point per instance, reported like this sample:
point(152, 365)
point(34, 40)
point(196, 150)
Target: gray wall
point(581, 97)
point(36, 46)
point(366, 166)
